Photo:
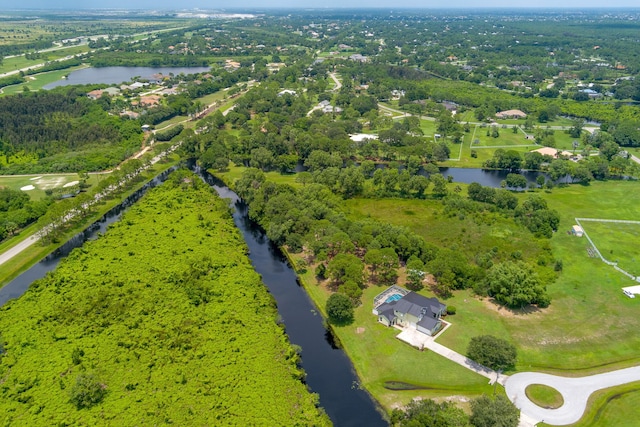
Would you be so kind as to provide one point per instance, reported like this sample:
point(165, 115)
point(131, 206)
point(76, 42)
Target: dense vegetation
point(62, 131)
point(149, 325)
point(485, 412)
point(17, 211)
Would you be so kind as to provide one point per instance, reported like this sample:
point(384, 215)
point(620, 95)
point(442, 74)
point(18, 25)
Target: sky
point(220, 4)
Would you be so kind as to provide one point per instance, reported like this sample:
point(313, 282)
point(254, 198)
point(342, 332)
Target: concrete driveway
point(575, 391)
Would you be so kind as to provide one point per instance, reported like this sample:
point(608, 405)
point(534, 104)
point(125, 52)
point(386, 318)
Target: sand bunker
point(71, 184)
point(28, 188)
point(33, 179)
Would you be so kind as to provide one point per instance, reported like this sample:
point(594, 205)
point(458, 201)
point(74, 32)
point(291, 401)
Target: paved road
point(575, 392)
point(11, 252)
point(338, 82)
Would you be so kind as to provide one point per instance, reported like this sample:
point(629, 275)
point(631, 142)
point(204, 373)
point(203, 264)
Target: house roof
point(428, 322)
point(511, 113)
point(549, 151)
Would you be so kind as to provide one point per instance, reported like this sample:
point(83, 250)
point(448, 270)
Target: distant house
point(112, 91)
point(287, 92)
point(399, 307)
point(95, 94)
point(358, 57)
point(553, 152)
point(591, 93)
point(149, 100)
point(511, 114)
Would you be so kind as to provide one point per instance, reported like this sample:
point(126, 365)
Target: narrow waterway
point(329, 370)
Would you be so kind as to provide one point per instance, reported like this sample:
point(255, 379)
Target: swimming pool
point(394, 297)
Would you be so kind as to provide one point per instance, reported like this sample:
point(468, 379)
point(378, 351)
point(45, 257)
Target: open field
point(506, 139)
point(42, 182)
point(20, 62)
point(38, 81)
point(617, 243)
point(590, 326)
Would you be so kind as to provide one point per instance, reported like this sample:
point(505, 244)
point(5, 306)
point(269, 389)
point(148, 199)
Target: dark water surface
point(116, 75)
point(329, 370)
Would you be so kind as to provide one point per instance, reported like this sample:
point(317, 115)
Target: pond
point(117, 75)
point(485, 177)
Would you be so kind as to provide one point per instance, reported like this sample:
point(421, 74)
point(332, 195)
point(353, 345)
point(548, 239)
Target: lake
point(117, 75)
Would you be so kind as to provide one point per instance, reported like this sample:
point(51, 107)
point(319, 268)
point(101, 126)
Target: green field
point(617, 243)
point(148, 322)
point(590, 326)
point(506, 139)
point(43, 182)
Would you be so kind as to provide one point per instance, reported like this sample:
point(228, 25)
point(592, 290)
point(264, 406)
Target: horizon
point(27, 5)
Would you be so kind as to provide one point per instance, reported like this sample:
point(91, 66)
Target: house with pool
point(402, 308)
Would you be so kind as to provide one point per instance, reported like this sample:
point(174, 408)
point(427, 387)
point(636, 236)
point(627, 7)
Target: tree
point(515, 284)
point(415, 273)
point(345, 267)
point(494, 353)
point(339, 309)
point(515, 180)
point(87, 391)
point(439, 185)
point(429, 413)
point(496, 412)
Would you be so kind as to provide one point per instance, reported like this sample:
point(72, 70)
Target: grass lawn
point(485, 152)
point(617, 243)
point(544, 396)
point(428, 127)
point(38, 81)
point(42, 182)
point(506, 139)
point(618, 406)
point(379, 357)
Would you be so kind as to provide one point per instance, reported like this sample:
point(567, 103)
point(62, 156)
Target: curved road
point(575, 392)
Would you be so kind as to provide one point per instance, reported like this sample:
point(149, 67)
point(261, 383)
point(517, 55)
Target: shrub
point(558, 265)
point(451, 310)
point(87, 391)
